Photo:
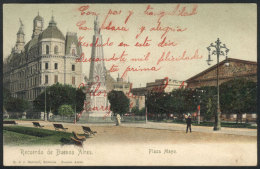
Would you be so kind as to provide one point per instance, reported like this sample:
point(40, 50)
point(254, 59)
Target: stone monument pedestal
point(95, 117)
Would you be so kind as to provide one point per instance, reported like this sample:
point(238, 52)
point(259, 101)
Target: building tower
point(37, 25)
point(19, 46)
point(96, 106)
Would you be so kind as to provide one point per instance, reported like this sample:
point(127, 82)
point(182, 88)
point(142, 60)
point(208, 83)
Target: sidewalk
point(162, 126)
point(182, 127)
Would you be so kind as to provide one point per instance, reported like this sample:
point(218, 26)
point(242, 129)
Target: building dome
point(38, 17)
point(52, 32)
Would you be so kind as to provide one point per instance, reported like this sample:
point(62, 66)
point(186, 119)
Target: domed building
point(48, 58)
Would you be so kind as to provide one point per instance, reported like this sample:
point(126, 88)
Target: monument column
point(96, 105)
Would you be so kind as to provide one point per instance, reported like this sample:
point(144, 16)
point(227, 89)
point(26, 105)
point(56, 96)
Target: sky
point(234, 24)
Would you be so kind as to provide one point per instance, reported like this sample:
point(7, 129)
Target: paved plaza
point(163, 144)
point(161, 126)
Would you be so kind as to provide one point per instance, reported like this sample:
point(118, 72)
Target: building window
point(55, 65)
point(46, 79)
point(46, 66)
point(47, 49)
point(56, 50)
point(56, 79)
point(73, 67)
point(73, 80)
point(73, 52)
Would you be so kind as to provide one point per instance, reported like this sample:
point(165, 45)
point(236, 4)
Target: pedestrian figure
point(188, 121)
point(118, 119)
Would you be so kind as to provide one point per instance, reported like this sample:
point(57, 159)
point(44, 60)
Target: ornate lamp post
point(219, 50)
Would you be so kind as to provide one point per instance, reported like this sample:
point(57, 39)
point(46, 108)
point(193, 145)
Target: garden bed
point(19, 135)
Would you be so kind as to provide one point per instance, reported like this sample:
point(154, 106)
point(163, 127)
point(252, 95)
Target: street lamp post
point(45, 113)
point(147, 94)
point(146, 108)
point(218, 50)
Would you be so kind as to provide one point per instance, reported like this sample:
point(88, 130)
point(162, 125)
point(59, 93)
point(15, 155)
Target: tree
point(57, 95)
point(6, 96)
point(182, 101)
point(17, 105)
point(178, 102)
point(14, 104)
point(119, 103)
point(135, 110)
point(139, 112)
point(80, 97)
point(65, 110)
point(238, 96)
point(156, 104)
point(210, 111)
point(206, 97)
point(142, 111)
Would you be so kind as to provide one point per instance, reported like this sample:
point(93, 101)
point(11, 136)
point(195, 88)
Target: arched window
point(73, 52)
point(47, 49)
point(56, 50)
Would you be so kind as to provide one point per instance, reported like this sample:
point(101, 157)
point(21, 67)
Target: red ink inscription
point(88, 108)
point(97, 44)
point(163, 43)
point(133, 69)
point(166, 29)
point(114, 68)
point(110, 26)
point(96, 85)
point(84, 11)
point(141, 31)
point(130, 14)
point(161, 87)
point(144, 44)
point(81, 26)
point(121, 58)
point(123, 44)
point(177, 11)
point(169, 58)
point(145, 58)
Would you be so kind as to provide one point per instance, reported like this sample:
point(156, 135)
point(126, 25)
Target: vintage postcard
point(130, 84)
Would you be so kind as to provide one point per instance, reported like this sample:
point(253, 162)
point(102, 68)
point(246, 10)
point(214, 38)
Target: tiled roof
point(72, 38)
point(52, 32)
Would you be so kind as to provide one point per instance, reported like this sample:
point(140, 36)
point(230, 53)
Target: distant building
point(121, 85)
point(228, 69)
point(48, 58)
point(165, 85)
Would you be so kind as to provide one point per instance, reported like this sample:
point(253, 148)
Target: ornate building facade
point(48, 58)
point(228, 69)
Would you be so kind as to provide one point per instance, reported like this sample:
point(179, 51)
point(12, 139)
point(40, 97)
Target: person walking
point(188, 121)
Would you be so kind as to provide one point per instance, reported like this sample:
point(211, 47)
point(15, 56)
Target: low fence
point(124, 119)
point(132, 119)
point(58, 118)
point(245, 117)
point(22, 115)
